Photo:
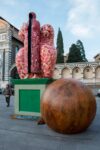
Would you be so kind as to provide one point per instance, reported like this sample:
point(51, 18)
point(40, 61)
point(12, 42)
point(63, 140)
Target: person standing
point(7, 93)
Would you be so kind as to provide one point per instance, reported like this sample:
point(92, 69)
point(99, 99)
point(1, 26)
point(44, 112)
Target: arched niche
point(56, 74)
point(13, 72)
point(97, 72)
point(88, 72)
point(76, 73)
point(66, 73)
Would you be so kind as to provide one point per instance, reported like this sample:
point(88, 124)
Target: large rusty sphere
point(68, 106)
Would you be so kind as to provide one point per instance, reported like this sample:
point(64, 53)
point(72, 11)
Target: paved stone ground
point(27, 135)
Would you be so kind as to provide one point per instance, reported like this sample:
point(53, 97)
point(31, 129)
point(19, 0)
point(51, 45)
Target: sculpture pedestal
point(28, 93)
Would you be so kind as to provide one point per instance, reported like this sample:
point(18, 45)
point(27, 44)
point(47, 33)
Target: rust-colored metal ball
point(68, 106)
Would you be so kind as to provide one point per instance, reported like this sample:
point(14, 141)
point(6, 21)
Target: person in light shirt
point(7, 93)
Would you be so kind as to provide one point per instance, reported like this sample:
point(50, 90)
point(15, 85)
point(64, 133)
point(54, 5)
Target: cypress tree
point(60, 47)
point(74, 54)
point(81, 47)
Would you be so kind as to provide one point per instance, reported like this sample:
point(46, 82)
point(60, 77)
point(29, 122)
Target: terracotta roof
point(97, 55)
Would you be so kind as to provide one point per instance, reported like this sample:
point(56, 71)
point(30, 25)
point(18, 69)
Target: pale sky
point(77, 19)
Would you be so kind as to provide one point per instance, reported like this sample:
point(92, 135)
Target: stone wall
point(88, 72)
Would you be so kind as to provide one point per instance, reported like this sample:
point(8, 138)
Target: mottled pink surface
point(43, 54)
point(47, 51)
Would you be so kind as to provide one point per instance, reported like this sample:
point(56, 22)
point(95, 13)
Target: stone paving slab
point(27, 135)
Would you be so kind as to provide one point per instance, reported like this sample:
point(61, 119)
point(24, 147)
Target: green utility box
point(28, 94)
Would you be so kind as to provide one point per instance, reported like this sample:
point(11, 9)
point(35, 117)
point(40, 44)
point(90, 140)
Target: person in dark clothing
point(7, 93)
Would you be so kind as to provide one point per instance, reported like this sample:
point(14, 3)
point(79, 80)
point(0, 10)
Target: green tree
point(74, 54)
point(81, 47)
point(60, 47)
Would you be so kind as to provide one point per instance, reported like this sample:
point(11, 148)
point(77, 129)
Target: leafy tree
point(74, 54)
point(60, 47)
point(81, 47)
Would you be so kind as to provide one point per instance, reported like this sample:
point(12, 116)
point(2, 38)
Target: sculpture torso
point(43, 53)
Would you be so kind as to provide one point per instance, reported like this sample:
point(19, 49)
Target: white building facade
point(9, 45)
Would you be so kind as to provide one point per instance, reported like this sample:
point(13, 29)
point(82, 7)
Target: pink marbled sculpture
point(47, 51)
point(43, 53)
